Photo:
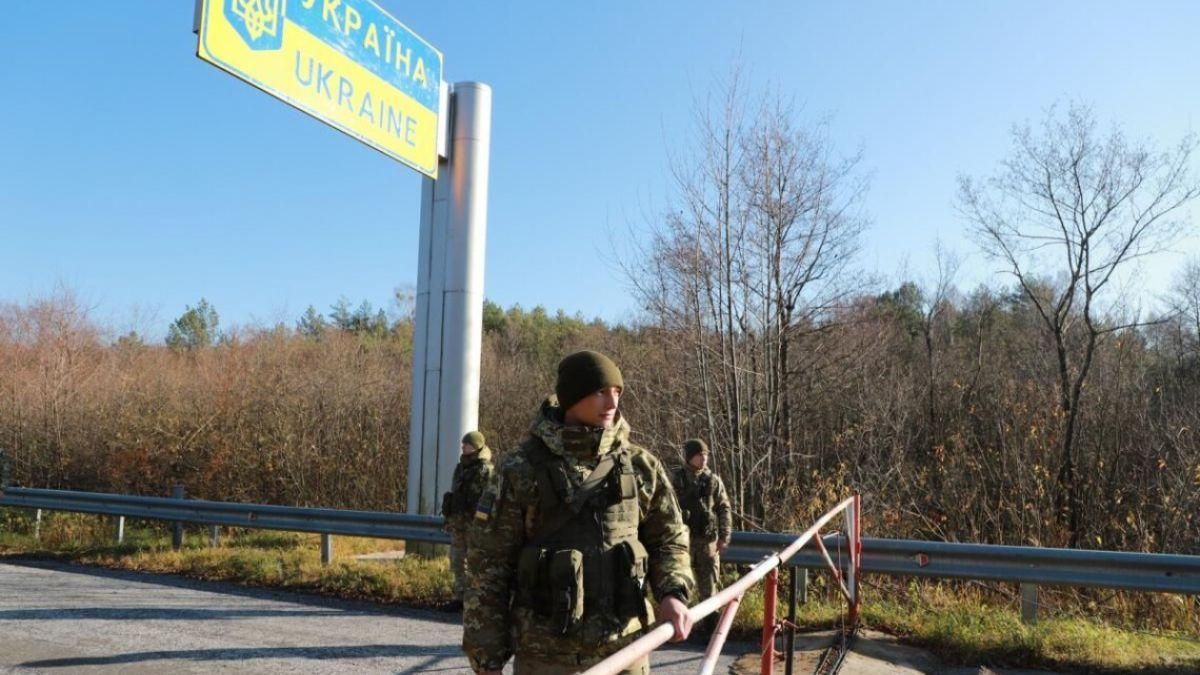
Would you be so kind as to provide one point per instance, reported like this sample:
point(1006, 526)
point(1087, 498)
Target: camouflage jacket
point(495, 626)
point(705, 503)
point(471, 477)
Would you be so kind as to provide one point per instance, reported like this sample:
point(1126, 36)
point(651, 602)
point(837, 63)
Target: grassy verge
point(252, 557)
point(967, 625)
point(964, 625)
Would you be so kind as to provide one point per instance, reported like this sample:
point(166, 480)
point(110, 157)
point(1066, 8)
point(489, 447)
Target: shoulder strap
point(554, 521)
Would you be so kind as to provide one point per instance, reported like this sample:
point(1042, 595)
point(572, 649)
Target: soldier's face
point(699, 460)
point(598, 409)
point(468, 449)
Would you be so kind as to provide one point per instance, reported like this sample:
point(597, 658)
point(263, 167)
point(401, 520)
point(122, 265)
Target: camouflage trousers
point(458, 561)
point(706, 566)
point(533, 665)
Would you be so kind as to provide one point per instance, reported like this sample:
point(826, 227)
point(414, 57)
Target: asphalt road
point(59, 618)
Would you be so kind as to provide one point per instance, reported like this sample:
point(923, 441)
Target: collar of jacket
point(483, 454)
point(576, 441)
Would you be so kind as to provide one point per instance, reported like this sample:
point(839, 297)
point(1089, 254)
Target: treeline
point(943, 414)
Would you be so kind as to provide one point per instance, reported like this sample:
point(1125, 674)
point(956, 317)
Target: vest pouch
point(628, 486)
point(701, 524)
point(566, 589)
point(631, 563)
point(460, 500)
point(448, 504)
point(531, 579)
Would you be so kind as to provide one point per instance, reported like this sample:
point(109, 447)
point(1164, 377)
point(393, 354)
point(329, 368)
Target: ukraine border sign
point(348, 63)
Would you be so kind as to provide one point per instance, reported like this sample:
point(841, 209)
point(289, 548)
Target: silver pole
point(120, 529)
point(466, 236)
point(447, 340)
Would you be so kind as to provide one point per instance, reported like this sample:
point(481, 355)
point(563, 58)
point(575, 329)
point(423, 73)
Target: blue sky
point(144, 179)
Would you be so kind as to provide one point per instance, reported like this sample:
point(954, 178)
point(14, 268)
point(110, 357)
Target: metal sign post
point(448, 330)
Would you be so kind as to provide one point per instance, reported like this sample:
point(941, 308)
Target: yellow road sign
point(346, 62)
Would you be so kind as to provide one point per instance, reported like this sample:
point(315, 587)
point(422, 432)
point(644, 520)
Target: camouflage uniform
point(628, 532)
point(708, 515)
point(471, 477)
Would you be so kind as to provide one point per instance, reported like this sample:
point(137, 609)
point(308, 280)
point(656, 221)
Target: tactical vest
point(590, 569)
point(458, 500)
point(696, 500)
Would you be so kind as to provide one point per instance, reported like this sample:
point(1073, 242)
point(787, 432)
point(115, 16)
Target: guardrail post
point(37, 525)
point(119, 527)
point(177, 492)
point(326, 549)
point(770, 591)
point(214, 536)
point(1029, 604)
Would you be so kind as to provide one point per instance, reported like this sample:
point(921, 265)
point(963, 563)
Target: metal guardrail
point(900, 557)
point(1161, 572)
point(259, 516)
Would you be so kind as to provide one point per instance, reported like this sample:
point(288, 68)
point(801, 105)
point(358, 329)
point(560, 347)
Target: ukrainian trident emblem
point(259, 22)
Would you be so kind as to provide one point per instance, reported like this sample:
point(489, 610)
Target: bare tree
point(752, 256)
point(935, 305)
point(1078, 206)
point(1185, 303)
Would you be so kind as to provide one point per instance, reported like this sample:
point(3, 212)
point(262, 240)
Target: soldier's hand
point(672, 610)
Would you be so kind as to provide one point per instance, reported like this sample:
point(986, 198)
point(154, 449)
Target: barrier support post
point(791, 636)
point(770, 591)
point(854, 569)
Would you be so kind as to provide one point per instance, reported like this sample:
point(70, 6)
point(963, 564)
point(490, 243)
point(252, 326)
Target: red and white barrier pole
point(770, 595)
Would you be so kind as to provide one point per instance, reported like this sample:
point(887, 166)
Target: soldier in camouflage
point(471, 476)
point(573, 525)
point(708, 515)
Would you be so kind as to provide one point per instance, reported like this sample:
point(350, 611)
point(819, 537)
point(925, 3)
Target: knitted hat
point(584, 373)
point(475, 440)
point(693, 447)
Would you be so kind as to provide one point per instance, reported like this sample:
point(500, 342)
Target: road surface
point(60, 618)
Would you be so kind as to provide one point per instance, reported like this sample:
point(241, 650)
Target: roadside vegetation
point(963, 624)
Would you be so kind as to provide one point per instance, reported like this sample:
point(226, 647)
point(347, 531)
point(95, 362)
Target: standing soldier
point(471, 476)
point(706, 511)
point(574, 524)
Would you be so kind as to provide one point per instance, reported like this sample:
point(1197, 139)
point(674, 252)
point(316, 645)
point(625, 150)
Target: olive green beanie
point(583, 373)
point(475, 440)
point(693, 447)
